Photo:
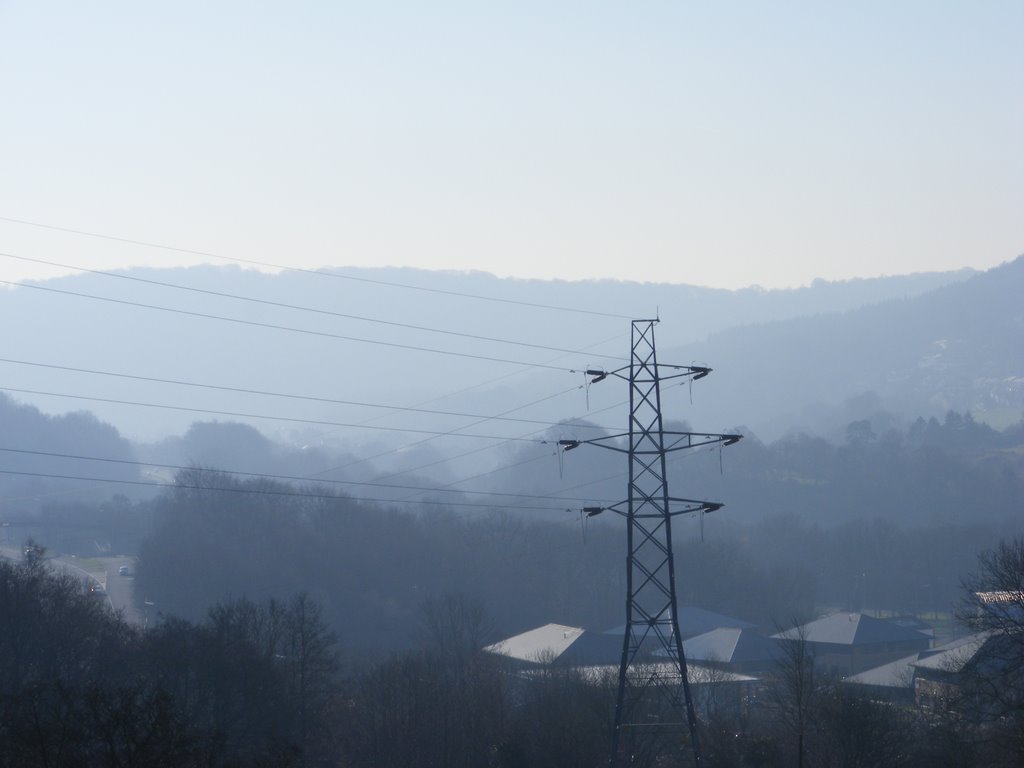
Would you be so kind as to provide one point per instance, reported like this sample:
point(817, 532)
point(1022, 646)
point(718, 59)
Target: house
point(849, 643)
point(938, 675)
point(561, 645)
point(595, 657)
point(736, 649)
point(928, 677)
point(892, 682)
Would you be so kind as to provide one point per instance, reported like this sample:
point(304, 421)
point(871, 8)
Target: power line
point(443, 434)
point(266, 492)
point(481, 419)
point(447, 487)
point(485, 448)
point(308, 398)
point(283, 305)
point(307, 331)
point(417, 489)
point(433, 435)
point(235, 414)
point(672, 463)
point(269, 476)
point(320, 273)
point(459, 392)
point(336, 401)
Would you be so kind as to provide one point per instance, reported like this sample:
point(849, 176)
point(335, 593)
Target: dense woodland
point(885, 522)
point(372, 568)
point(266, 684)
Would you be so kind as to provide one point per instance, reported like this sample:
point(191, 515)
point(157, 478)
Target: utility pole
point(654, 712)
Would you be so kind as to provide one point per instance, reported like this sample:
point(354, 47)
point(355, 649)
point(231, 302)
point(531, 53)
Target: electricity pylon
point(654, 712)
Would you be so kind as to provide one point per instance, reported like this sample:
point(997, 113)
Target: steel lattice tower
point(654, 711)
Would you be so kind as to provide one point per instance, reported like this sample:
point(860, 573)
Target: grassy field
point(999, 418)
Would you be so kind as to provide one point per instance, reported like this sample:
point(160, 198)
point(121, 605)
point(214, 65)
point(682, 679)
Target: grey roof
point(895, 674)
point(731, 645)
point(950, 657)
point(853, 629)
point(953, 656)
point(558, 643)
point(538, 645)
point(596, 655)
point(1004, 604)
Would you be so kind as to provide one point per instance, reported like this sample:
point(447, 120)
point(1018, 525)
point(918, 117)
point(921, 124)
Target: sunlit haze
point(411, 385)
point(723, 144)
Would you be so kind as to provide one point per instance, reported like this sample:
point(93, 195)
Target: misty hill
point(46, 487)
point(44, 445)
point(100, 323)
point(868, 369)
point(935, 472)
point(949, 341)
point(959, 347)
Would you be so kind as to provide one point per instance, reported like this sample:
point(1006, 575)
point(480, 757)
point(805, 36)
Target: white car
point(123, 570)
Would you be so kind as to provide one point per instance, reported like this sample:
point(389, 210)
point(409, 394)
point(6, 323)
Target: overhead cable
point(283, 305)
point(235, 414)
point(307, 331)
point(321, 273)
point(308, 398)
point(267, 492)
point(267, 475)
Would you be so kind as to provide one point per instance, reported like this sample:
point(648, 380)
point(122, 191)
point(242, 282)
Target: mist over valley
point(265, 439)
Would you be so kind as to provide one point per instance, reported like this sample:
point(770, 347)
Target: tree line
point(266, 684)
point(371, 567)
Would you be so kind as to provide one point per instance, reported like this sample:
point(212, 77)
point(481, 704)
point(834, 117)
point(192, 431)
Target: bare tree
point(455, 628)
point(860, 733)
point(794, 691)
point(290, 643)
point(311, 666)
point(993, 679)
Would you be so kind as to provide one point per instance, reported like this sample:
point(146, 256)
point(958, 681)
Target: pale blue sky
point(722, 144)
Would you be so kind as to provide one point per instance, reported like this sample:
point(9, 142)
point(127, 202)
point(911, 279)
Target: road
point(102, 571)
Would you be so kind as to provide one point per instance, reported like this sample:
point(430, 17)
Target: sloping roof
point(696, 621)
point(895, 674)
point(1004, 604)
point(554, 643)
point(538, 645)
point(731, 645)
point(1002, 596)
point(950, 657)
point(953, 656)
point(852, 629)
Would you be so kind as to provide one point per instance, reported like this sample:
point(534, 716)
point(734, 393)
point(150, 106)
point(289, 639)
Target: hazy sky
point(721, 144)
